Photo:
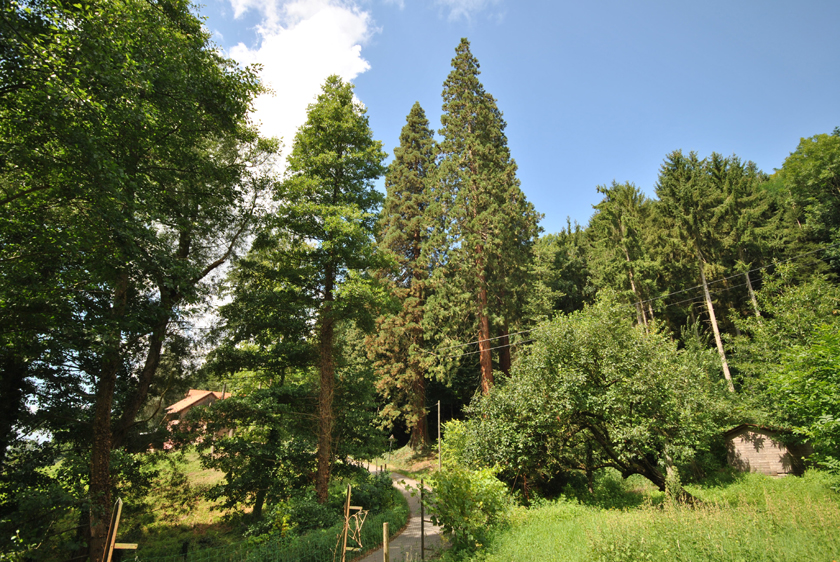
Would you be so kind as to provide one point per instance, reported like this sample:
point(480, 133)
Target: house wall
point(757, 450)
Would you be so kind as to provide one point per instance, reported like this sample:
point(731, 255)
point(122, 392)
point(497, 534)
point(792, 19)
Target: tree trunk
point(100, 457)
point(325, 394)
point(259, 501)
point(135, 402)
point(750, 290)
point(484, 343)
point(420, 430)
point(640, 309)
point(713, 319)
point(504, 351)
point(13, 373)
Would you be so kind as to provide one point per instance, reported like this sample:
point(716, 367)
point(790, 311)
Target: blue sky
point(591, 91)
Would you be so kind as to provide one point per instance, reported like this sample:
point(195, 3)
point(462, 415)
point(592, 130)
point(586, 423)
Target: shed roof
point(738, 428)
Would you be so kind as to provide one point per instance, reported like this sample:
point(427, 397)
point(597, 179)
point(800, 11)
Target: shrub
point(467, 504)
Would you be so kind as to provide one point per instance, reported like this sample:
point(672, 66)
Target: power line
point(738, 274)
point(638, 303)
point(479, 351)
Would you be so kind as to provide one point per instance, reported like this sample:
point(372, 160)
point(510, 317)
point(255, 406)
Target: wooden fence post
point(386, 549)
point(422, 525)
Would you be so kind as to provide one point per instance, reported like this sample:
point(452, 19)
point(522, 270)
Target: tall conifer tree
point(619, 254)
point(327, 216)
point(691, 201)
point(490, 227)
point(400, 340)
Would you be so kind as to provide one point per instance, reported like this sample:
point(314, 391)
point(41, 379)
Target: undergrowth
point(747, 518)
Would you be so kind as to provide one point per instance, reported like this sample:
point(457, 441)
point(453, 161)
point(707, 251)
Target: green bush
point(467, 503)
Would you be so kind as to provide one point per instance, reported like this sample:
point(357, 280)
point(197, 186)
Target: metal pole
point(422, 525)
point(386, 549)
point(440, 459)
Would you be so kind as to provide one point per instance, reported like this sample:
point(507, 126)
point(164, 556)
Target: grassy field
point(406, 461)
point(181, 519)
point(742, 518)
point(192, 519)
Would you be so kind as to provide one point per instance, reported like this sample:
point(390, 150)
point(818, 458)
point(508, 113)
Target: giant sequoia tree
point(326, 219)
point(399, 346)
point(128, 174)
point(489, 225)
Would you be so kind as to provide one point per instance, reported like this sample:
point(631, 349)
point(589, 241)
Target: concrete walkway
point(406, 546)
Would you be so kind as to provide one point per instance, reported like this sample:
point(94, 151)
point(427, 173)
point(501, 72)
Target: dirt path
point(406, 546)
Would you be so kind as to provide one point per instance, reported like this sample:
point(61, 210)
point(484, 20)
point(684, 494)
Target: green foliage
point(811, 175)
point(621, 257)
point(400, 344)
point(282, 544)
point(805, 389)
point(129, 173)
point(752, 517)
point(484, 226)
point(260, 441)
point(786, 360)
point(467, 503)
point(560, 275)
point(595, 391)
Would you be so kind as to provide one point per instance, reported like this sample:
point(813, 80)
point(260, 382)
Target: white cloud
point(301, 43)
point(465, 8)
point(398, 3)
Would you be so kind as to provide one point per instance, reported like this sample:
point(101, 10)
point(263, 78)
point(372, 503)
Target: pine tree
point(620, 257)
point(691, 202)
point(746, 214)
point(489, 226)
point(328, 216)
point(399, 346)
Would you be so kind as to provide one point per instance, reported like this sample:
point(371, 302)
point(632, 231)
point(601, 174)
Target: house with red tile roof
point(194, 397)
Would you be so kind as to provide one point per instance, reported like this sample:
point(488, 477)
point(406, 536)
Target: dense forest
point(148, 245)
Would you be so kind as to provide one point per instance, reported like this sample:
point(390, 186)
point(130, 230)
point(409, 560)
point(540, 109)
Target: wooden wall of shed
point(757, 450)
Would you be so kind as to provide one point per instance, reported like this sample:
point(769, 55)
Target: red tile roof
point(193, 396)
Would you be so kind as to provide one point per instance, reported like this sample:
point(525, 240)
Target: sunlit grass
point(406, 461)
point(746, 518)
point(192, 519)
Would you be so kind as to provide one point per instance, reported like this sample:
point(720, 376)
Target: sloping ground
point(407, 545)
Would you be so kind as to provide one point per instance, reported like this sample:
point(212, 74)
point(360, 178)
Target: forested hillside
point(149, 245)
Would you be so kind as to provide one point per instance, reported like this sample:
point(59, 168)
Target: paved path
point(406, 546)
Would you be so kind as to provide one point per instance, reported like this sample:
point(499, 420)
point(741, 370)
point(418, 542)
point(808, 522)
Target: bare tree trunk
point(749, 285)
point(325, 394)
point(713, 319)
point(259, 501)
point(640, 310)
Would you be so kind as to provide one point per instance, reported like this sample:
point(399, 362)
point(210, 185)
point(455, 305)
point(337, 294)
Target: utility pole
point(440, 460)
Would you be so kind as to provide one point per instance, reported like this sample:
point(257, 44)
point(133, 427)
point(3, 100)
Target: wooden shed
point(754, 448)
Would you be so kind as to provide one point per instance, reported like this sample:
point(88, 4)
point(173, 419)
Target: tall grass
point(749, 518)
